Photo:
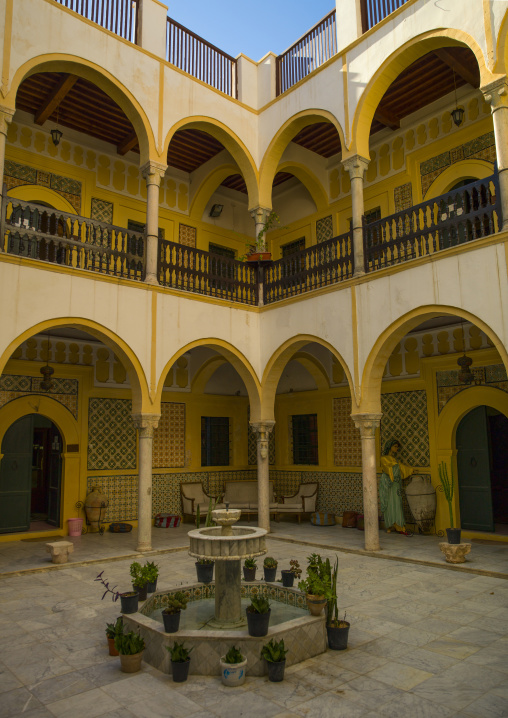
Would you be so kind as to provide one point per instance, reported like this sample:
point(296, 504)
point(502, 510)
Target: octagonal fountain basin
point(304, 635)
point(239, 542)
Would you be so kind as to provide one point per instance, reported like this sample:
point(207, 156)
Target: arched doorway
point(482, 467)
point(30, 475)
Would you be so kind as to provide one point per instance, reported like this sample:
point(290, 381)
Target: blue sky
point(250, 26)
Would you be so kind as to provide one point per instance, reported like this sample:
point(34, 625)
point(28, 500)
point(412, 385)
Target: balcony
point(458, 217)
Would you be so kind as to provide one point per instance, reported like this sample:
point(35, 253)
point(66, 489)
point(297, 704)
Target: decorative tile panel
point(337, 492)
point(187, 235)
point(347, 444)
point(169, 437)
point(324, 229)
point(111, 435)
point(122, 493)
point(405, 419)
point(65, 391)
point(17, 174)
point(403, 197)
point(448, 384)
point(101, 210)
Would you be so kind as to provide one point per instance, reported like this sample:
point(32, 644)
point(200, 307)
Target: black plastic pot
point(337, 637)
point(249, 574)
point(151, 586)
point(270, 573)
point(171, 621)
point(288, 577)
point(257, 623)
point(204, 572)
point(180, 670)
point(142, 591)
point(276, 670)
point(453, 535)
point(129, 601)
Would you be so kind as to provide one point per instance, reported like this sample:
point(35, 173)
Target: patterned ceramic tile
point(101, 210)
point(17, 174)
point(65, 391)
point(187, 235)
point(405, 418)
point(347, 445)
point(21, 172)
point(337, 492)
point(111, 435)
point(122, 493)
point(324, 229)
point(169, 437)
point(448, 384)
point(403, 197)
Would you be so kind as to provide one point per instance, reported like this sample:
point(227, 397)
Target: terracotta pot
point(131, 664)
point(421, 497)
point(259, 257)
point(349, 519)
point(315, 604)
point(95, 504)
point(112, 649)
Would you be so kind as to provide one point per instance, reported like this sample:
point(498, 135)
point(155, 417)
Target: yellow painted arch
point(315, 369)
point(44, 406)
point(140, 394)
point(392, 335)
point(391, 69)
point(309, 180)
point(55, 62)
point(477, 169)
point(235, 358)
point(501, 62)
point(275, 150)
point(205, 373)
point(208, 187)
point(234, 145)
point(36, 193)
point(280, 358)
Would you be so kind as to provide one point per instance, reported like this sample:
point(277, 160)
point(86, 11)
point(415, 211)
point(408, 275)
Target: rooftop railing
point(119, 16)
point(373, 11)
point(201, 59)
point(307, 54)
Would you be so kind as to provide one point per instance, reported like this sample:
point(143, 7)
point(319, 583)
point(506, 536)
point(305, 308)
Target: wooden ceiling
point(79, 105)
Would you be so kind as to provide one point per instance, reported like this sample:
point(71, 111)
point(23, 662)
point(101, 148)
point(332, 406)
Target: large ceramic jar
point(421, 497)
point(95, 507)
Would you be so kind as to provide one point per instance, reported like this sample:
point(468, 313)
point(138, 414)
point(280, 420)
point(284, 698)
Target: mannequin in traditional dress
point(390, 488)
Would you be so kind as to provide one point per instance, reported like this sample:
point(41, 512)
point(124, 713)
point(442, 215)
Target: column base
point(143, 547)
point(359, 272)
point(152, 279)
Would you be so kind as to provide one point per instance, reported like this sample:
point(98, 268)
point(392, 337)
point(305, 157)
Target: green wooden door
point(55, 476)
point(473, 465)
point(16, 476)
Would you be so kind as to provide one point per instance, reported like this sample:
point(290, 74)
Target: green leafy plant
point(270, 562)
point(295, 568)
point(179, 654)
point(198, 517)
point(152, 571)
point(127, 644)
point(259, 604)
point(176, 602)
point(332, 610)
point(139, 574)
point(233, 656)
point(274, 651)
point(447, 486)
point(204, 561)
point(318, 580)
point(250, 563)
point(113, 629)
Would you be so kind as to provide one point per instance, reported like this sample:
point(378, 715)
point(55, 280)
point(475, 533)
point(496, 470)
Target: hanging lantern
point(457, 115)
point(56, 136)
point(466, 376)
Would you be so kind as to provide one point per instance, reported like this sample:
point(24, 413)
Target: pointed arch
point(309, 180)
point(207, 187)
point(34, 192)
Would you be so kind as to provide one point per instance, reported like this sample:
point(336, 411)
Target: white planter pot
point(421, 497)
point(233, 674)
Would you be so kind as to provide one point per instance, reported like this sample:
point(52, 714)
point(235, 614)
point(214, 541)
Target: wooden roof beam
point(54, 98)
point(127, 144)
point(387, 119)
point(455, 64)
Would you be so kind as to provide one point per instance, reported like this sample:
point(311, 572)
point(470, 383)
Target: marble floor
point(425, 640)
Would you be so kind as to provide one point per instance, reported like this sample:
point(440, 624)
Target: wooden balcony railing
point(373, 11)
point(194, 270)
point(201, 59)
point(318, 266)
point(30, 230)
point(307, 54)
point(118, 16)
point(459, 216)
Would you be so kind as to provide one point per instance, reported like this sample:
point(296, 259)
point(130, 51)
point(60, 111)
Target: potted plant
point(112, 630)
point(180, 661)
point(139, 576)
point(316, 586)
point(152, 572)
point(257, 251)
point(204, 570)
point(447, 486)
point(233, 667)
point(176, 603)
point(249, 569)
point(270, 568)
point(258, 616)
point(274, 653)
point(130, 646)
point(337, 630)
point(129, 599)
point(289, 574)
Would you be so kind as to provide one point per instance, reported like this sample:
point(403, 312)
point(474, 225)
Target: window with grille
point(305, 439)
point(214, 441)
point(133, 226)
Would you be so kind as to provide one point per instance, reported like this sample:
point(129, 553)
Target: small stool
point(323, 518)
point(455, 552)
point(60, 550)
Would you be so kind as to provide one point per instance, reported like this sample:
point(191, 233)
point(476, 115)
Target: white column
point(368, 423)
point(153, 172)
point(260, 215)
point(6, 115)
point(356, 166)
point(263, 429)
point(496, 94)
point(145, 424)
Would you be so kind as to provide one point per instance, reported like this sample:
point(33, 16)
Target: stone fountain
point(228, 545)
